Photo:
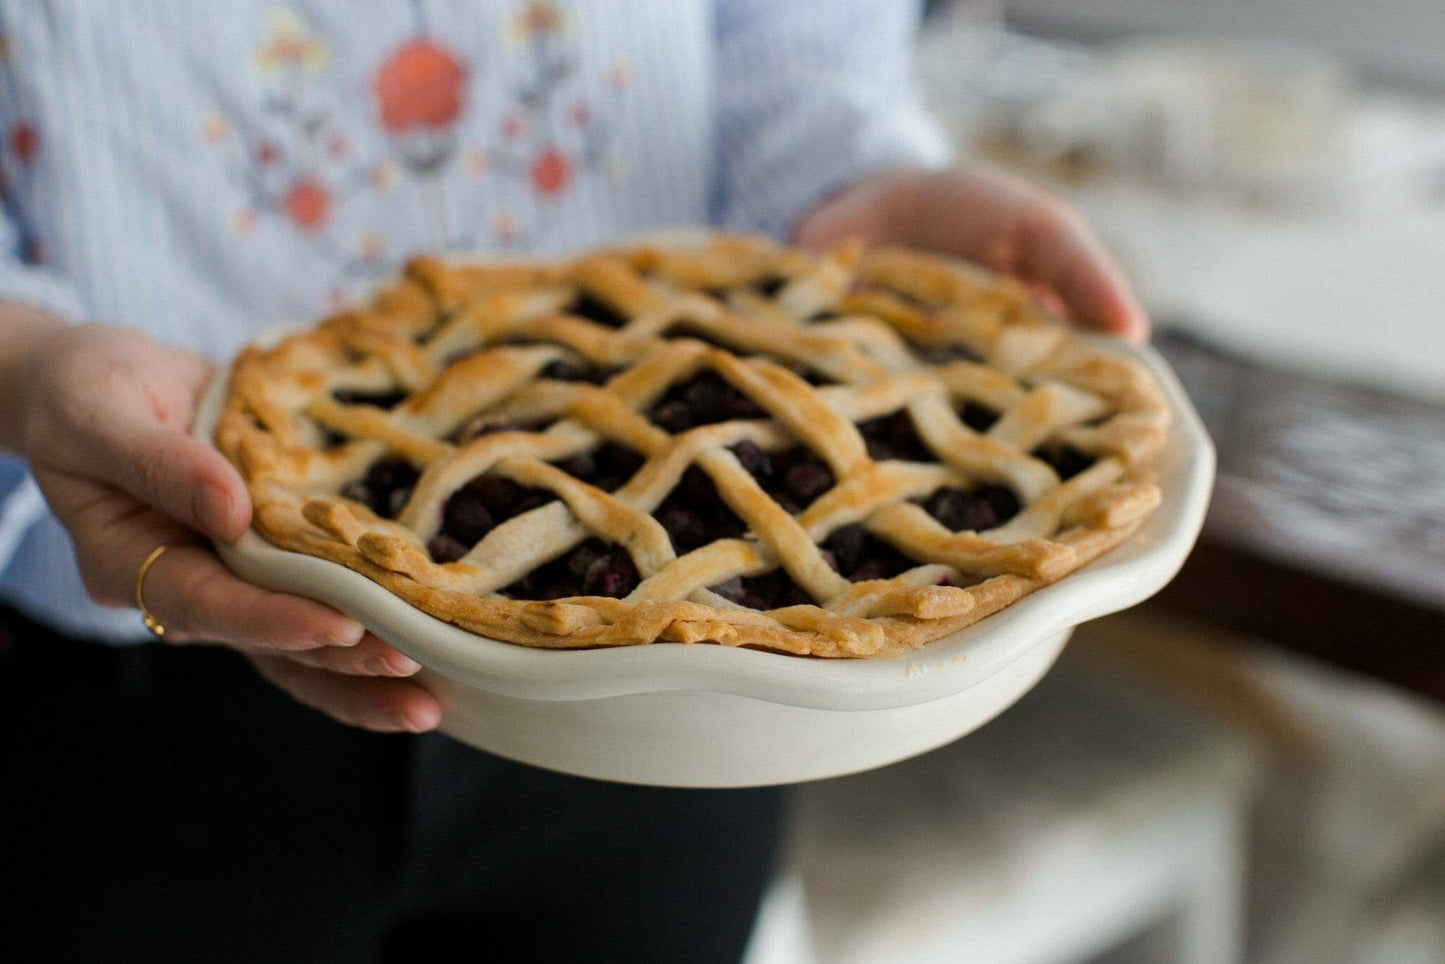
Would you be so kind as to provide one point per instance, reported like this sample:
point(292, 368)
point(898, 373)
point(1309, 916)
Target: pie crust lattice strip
point(843, 454)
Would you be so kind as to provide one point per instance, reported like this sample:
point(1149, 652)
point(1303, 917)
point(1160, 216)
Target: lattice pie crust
point(732, 395)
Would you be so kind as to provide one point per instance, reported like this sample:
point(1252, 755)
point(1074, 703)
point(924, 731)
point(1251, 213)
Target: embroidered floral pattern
point(299, 167)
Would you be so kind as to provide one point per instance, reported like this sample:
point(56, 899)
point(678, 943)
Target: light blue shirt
point(201, 169)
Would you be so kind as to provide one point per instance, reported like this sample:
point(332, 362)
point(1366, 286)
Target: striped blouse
point(201, 169)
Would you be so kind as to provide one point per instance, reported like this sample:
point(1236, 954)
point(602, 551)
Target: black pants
point(166, 804)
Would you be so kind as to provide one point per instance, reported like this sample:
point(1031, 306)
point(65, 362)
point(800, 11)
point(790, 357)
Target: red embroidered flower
point(338, 146)
point(512, 127)
point(267, 153)
point(25, 141)
point(580, 114)
point(308, 203)
point(550, 173)
point(421, 85)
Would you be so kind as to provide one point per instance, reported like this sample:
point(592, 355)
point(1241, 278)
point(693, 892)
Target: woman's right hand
point(105, 418)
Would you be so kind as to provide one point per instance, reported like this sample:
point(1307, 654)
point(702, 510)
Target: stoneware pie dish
point(715, 512)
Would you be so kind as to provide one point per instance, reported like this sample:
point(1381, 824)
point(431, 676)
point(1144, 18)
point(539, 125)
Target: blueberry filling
point(594, 568)
point(476, 509)
point(694, 514)
point(944, 354)
point(894, 437)
point(330, 438)
point(793, 478)
point(385, 487)
point(977, 417)
point(770, 286)
point(1065, 459)
point(608, 467)
point(563, 371)
point(971, 510)
point(385, 400)
point(704, 400)
point(593, 308)
point(772, 590)
point(858, 554)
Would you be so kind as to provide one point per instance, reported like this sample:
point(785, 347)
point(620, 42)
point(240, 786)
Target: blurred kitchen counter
point(1327, 529)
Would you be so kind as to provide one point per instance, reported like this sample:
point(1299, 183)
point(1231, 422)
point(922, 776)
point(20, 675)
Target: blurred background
point(1250, 767)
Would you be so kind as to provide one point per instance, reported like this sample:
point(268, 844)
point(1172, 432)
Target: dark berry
point(444, 548)
point(465, 517)
point(753, 458)
point(674, 417)
point(683, 526)
point(612, 575)
point(562, 371)
point(808, 480)
point(846, 545)
point(386, 400)
point(594, 308)
point(977, 417)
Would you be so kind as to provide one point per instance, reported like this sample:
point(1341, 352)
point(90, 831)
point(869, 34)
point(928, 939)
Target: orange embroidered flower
point(308, 203)
point(420, 86)
point(551, 172)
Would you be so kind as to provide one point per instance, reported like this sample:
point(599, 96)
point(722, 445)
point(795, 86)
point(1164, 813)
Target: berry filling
point(894, 437)
point(855, 552)
point(564, 371)
point(704, 400)
point(943, 354)
point(607, 467)
point(771, 590)
point(971, 510)
point(384, 400)
point(476, 509)
point(1065, 459)
point(594, 568)
point(793, 478)
point(694, 514)
point(593, 308)
point(977, 417)
point(385, 487)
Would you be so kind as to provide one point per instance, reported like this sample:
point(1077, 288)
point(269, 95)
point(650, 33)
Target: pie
point(840, 454)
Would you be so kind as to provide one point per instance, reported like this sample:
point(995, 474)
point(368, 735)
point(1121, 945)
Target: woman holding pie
point(176, 181)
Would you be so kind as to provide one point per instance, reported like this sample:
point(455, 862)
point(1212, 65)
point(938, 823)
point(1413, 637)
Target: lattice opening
point(694, 514)
point(593, 307)
point(385, 486)
point(794, 478)
point(594, 568)
point(705, 399)
point(895, 437)
point(971, 510)
point(479, 507)
point(857, 554)
point(1066, 460)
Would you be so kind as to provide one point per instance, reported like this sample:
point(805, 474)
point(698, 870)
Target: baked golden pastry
point(845, 454)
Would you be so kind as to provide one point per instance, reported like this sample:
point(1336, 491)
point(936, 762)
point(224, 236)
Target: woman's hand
point(104, 426)
point(996, 220)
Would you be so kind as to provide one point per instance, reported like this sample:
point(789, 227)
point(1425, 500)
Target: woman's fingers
point(1057, 249)
point(383, 705)
point(165, 468)
point(114, 406)
point(197, 598)
point(997, 220)
point(370, 657)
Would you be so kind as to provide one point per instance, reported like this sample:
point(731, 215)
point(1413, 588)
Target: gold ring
point(152, 623)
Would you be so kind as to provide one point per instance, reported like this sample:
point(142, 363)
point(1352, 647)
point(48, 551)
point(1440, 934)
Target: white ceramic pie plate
point(712, 716)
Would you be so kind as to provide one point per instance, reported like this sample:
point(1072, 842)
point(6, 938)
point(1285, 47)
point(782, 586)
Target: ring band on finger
point(151, 622)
